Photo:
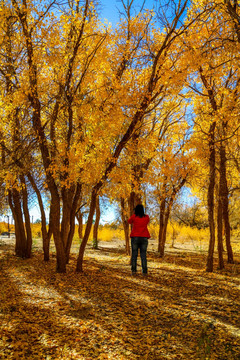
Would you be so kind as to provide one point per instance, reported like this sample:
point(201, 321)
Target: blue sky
point(109, 8)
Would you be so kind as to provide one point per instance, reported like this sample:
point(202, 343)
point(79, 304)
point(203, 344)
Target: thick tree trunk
point(134, 200)
point(55, 224)
point(21, 240)
point(211, 187)
point(72, 219)
point(67, 200)
point(166, 209)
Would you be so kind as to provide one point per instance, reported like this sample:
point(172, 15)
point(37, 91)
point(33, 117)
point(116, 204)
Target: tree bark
point(26, 217)
point(96, 224)
point(225, 203)
point(21, 240)
point(161, 227)
point(72, 219)
point(132, 202)
point(124, 216)
point(55, 224)
point(220, 227)
point(67, 200)
point(80, 224)
point(210, 197)
point(164, 224)
point(94, 194)
point(165, 210)
point(45, 237)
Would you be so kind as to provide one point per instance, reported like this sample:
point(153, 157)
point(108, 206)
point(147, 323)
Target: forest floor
point(177, 312)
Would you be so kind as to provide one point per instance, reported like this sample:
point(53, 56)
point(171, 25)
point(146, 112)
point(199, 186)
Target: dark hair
point(139, 211)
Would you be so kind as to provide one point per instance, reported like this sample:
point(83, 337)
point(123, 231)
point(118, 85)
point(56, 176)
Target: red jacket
point(139, 226)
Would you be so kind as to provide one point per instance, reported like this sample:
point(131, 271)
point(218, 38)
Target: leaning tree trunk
point(211, 186)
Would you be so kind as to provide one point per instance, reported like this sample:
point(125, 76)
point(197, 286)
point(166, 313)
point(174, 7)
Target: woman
point(139, 238)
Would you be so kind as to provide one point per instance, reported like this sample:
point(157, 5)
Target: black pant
point(142, 244)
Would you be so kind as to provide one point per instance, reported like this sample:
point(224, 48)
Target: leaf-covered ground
point(178, 312)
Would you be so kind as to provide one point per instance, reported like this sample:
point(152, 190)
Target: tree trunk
point(161, 227)
point(21, 240)
point(26, 217)
point(79, 267)
point(165, 230)
point(132, 203)
point(220, 227)
point(165, 210)
point(225, 203)
point(67, 200)
point(49, 232)
point(164, 222)
point(211, 186)
point(55, 224)
point(96, 224)
point(45, 237)
point(124, 216)
point(72, 219)
point(80, 224)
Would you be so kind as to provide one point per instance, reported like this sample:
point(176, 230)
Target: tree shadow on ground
point(177, 312)
point(192, 259)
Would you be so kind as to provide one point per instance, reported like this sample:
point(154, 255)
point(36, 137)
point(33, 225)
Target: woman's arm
point(130, 220)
